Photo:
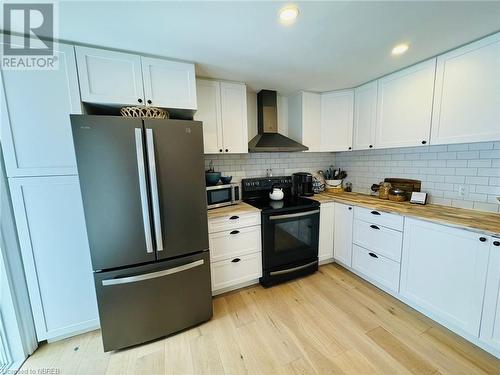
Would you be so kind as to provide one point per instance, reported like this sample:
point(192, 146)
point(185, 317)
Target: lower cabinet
point(490, 325)
point(342, 248)
point(53, 239)
point(326, 223)
point(443, 273)
point(235, 251)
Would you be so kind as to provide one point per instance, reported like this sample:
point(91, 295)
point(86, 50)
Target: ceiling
point(332, 45)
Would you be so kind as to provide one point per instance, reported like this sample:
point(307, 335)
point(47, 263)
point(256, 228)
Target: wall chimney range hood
point(268, 139)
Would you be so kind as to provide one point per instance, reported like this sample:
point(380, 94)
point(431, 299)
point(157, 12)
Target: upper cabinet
point(109, 77)
point(304, 119)
point(336, 120)
point(222, 106)
point(35, 109)
point(467, 94)
point(365, 116)
point(404, 106)
point(169, 84)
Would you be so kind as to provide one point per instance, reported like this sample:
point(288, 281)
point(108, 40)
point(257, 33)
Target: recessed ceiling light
point(288, 14)
point(400, 49)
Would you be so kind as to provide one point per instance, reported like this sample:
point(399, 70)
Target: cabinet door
point(36, 131)
point(342, 245)
point(311, 121)
point(365, 116)
point(336, 120)
point(109, 77)
point(209, 112)
point(404, 106)
point(490, 326)
point(234, 117)
point(53, 239)
point(326, 223)
point(169, 84)
point(467, 97)
point(443, 273)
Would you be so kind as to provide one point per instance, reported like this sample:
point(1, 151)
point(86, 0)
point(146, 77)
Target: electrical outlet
point(463, 191)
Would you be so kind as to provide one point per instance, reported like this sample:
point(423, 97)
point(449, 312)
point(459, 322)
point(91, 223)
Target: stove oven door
point(290, 240)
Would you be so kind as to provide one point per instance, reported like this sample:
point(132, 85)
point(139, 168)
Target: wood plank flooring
point(329, 323)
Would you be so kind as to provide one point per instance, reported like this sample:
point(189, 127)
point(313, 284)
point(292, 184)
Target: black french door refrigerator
point(143, 190)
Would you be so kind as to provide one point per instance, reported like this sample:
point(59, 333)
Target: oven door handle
point(289, 216)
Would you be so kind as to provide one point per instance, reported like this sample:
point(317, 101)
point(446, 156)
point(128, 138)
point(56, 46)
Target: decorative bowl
point(226, 179)
point(333, 183)
point(212, 178)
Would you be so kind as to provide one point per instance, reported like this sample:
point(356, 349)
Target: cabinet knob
point(482, 239)
point(236, 260)
point(371, 146)
point(227, 150)
point(350, 148)
point(149, 101)
point(220, 150)
point(139, 100)
point(496, 243)
point(424, 142)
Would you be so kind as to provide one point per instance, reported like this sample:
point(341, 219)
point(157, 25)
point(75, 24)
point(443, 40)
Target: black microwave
point(223, 195)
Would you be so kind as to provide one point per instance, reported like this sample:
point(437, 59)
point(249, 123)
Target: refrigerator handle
point(154, 188)
point(143, 190)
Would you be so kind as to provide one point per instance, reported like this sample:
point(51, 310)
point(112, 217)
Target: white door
point(342, 245)
point(443, 273)
point(209, 112)
point(336, 120)
point(326, 228)
point(365, 116)
point(311, 121)
point(467, 97)
point(169, 84)
point(109, 77)
point(36, 130)
point(55, 252)
point(404, 106)
point(234, 117)
point(490, 326)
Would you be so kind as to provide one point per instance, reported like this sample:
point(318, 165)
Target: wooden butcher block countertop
point(236, 209)
point(486, 222)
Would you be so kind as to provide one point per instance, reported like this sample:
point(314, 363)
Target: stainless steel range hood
point(268, 139)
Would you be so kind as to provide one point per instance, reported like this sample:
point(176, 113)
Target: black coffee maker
point(302, 184)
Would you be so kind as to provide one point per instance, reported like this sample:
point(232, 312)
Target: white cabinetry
point(235, 251)
point(443, 273)
point(36, 130)
point(326, 231)
point(110, 77)
point(490, 325)
point(365, 116)
point(304, 119)
point(405, 106)
point(467, 94)
point(336, 120)
point(342, 247)
point(53, 239)
point(222, 107)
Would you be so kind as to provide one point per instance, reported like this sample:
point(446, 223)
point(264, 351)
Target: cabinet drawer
point(230, 272)
point(240, 241)
point(392, 221)
point(220, 224)
point(376, 267)
point(382, 240)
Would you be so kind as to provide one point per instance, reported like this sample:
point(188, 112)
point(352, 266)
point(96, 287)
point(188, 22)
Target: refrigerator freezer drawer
point(146, 302)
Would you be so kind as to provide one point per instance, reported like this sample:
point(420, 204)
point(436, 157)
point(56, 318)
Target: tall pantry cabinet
point(39, 155)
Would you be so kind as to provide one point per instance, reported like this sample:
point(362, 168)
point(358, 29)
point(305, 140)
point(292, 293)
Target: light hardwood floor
point(329, 323)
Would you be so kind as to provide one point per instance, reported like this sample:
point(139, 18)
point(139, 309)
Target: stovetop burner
point(287, 204)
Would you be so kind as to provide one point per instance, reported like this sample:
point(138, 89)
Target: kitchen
point(289, 268)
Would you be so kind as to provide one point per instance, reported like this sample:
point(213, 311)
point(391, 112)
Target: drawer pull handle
point(374, 227)
point(375, 213)
point(234, 217)
point(496, 243)
point(236, 260)
point(234, 232)
point(482, 239)
point(350, 208)
point(373, 255)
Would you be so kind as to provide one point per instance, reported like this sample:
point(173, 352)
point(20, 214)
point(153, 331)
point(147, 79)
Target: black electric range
point(290, 229)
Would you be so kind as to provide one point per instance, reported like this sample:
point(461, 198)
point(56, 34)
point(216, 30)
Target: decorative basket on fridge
point(143, 111)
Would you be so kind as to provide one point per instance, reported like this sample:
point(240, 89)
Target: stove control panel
point(266, 183)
